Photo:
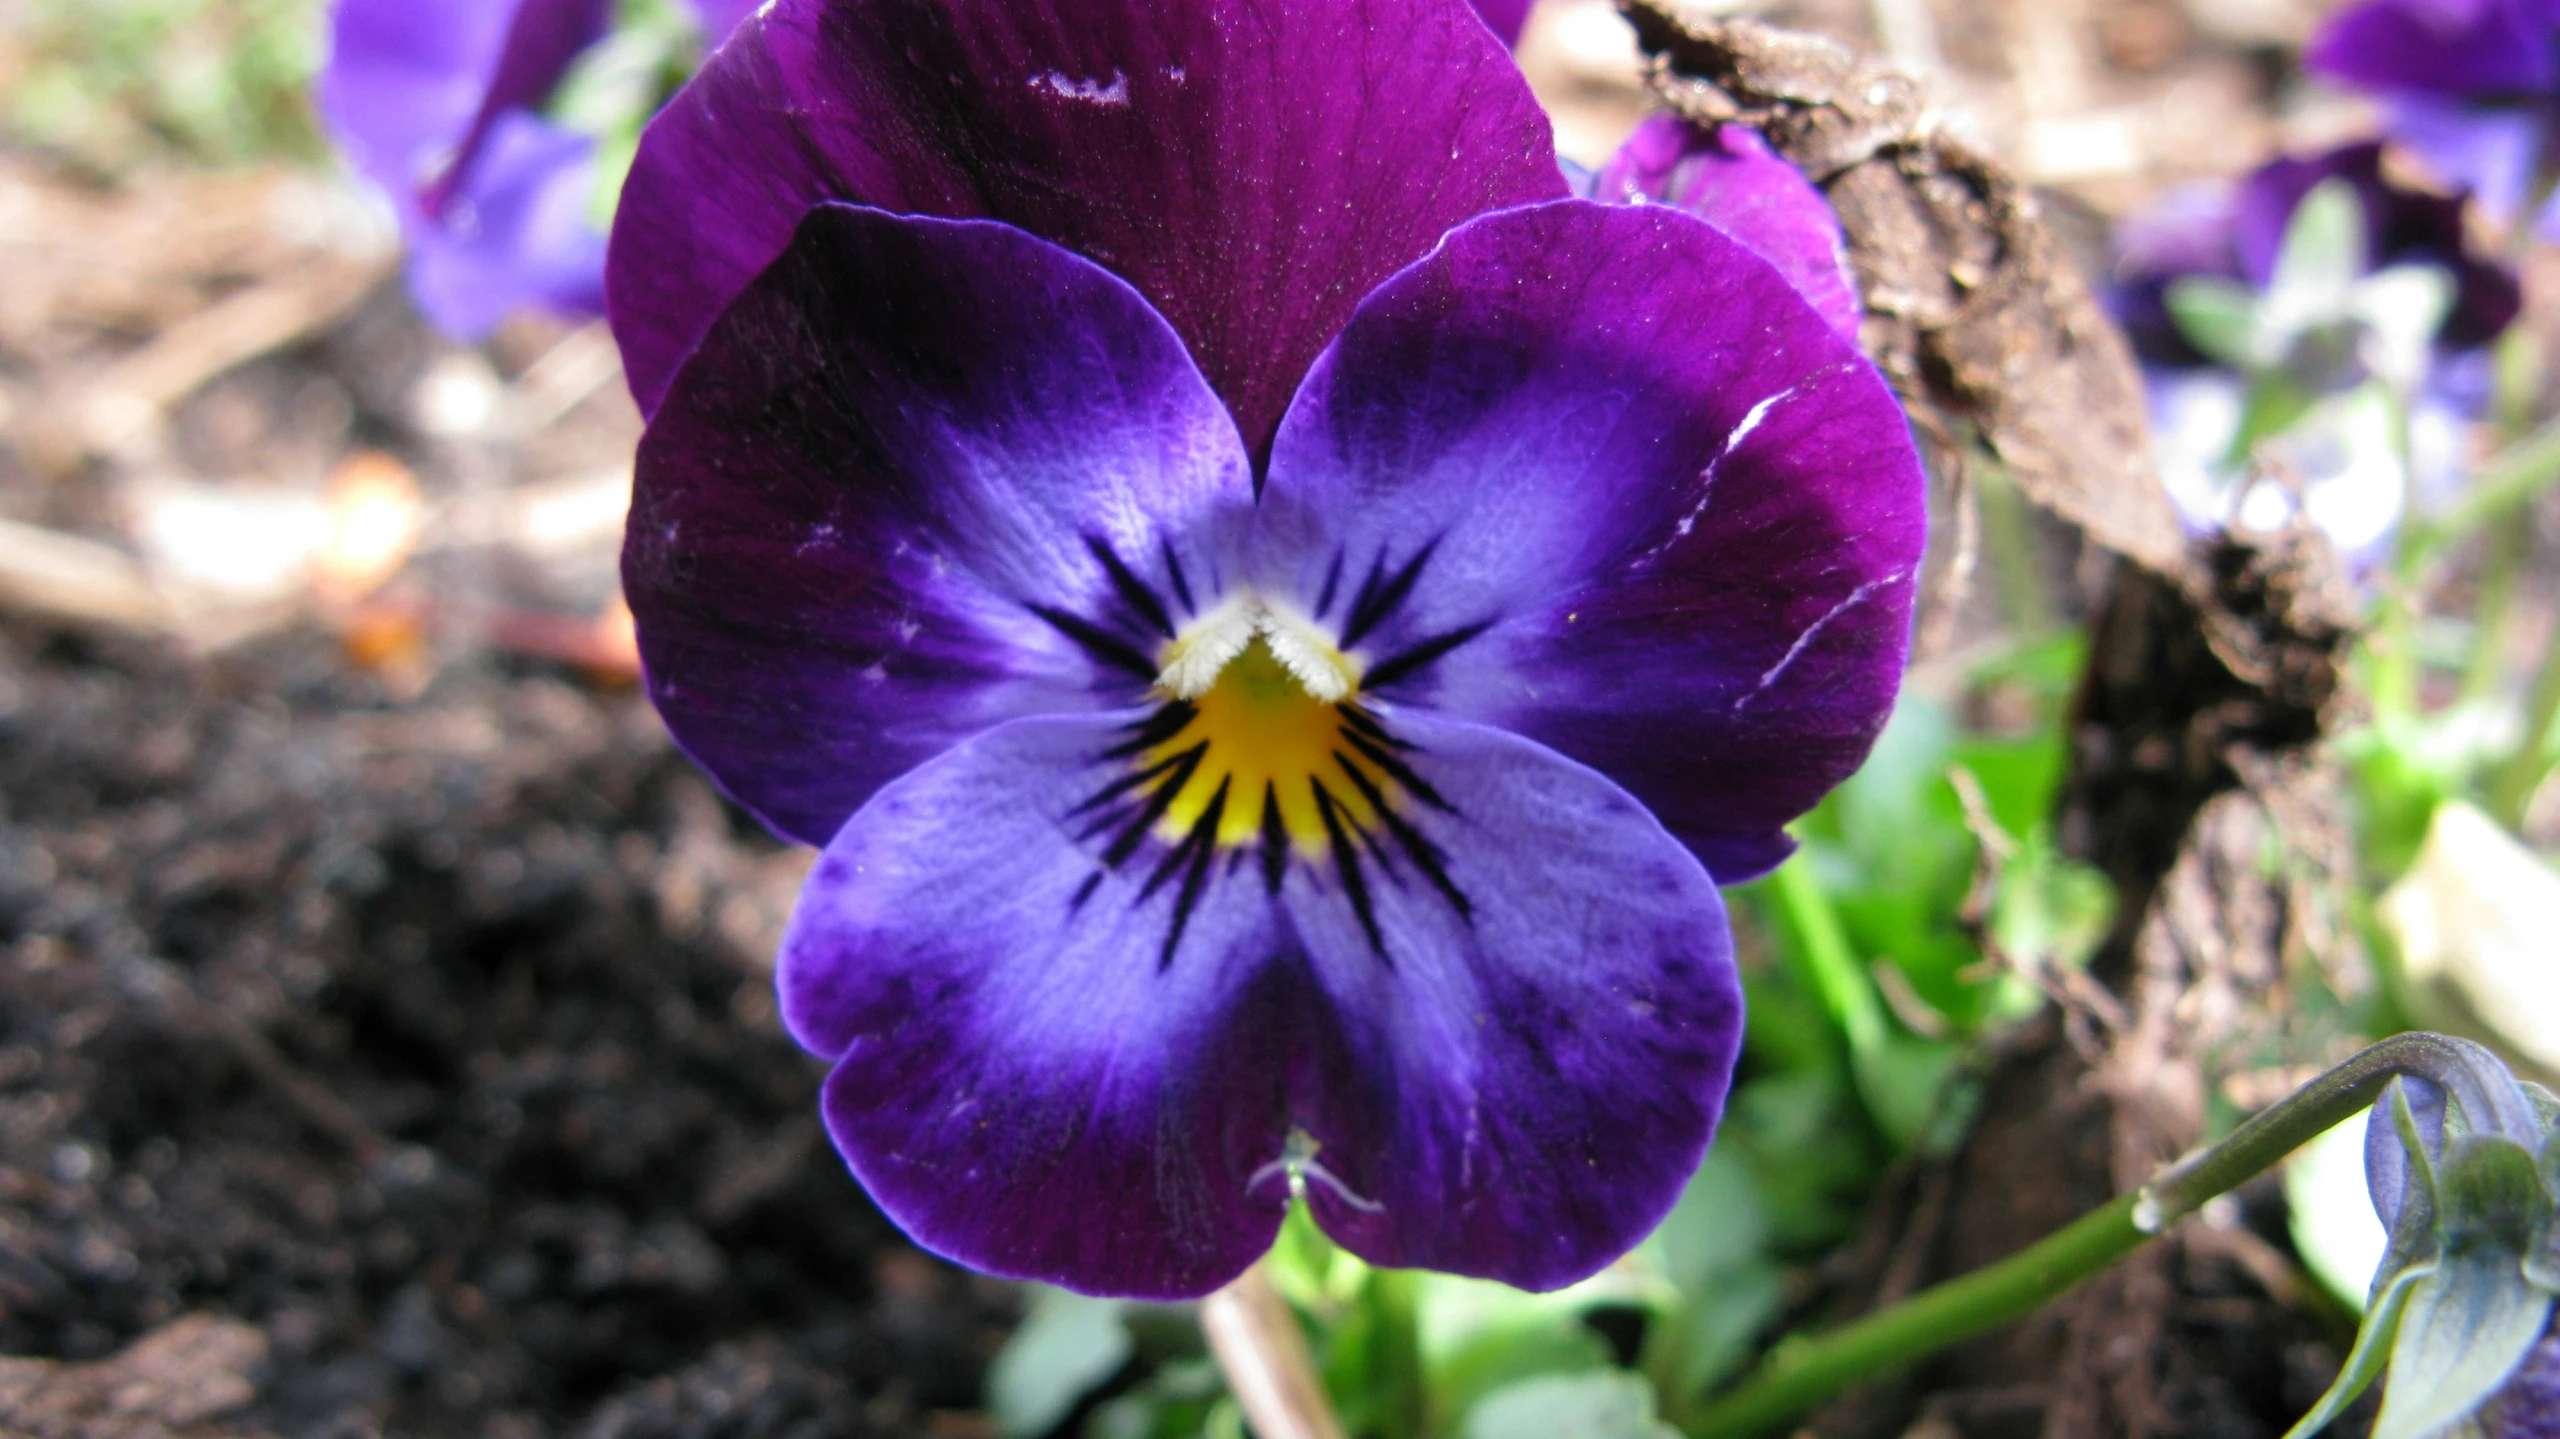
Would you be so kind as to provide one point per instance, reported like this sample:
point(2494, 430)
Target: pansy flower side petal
point(1599, 476)
point(1037, 1073)
point(2403, 226)
point(528, 240)
point(1728, 176)
point(1178, 146)
point(1533, 1016)
point(924, 477)
point(404, 79)
point(544, 37)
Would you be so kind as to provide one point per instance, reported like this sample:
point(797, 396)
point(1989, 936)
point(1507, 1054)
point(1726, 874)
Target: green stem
point(1395, 1355)
point(2513, 784)
point(1802, 1373)
point(1829, 962)
point(2521, 472)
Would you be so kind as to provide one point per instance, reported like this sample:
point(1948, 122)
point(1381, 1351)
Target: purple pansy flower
point(441, 104)
point(1279, 617)
point(2471, 85)
point(2345, 453)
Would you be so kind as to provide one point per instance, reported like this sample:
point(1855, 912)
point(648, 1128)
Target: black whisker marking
point(1346, 861)
point(1367, 724)
point(1377, 601)
point(1332, 582)
point(1398, 771)
point(1131, 780)
point(1157, 728)
point(1202, 833)
point(1134, 592)
point(1205, 833)
point(1275, 840)
point(1127, 841)
point(1428, 857)
point(1421, 657)
point(1085, 891)
point(1096, 641)
point(1181, 581)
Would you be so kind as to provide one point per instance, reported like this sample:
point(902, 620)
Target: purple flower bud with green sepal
point(1279, 617)
point(2463, 1168)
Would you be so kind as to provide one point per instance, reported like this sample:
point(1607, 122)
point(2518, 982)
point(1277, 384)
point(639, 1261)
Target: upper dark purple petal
point(924, 476)
point(1728, 176)
point(1253, 167)
point(2488, 49)
point(2402, 226)
point(1523, 1050)
point(1598, 475)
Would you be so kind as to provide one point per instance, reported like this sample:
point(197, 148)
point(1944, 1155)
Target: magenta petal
point(1507, 17)
point(1728, 176)
point(1518, 1089)
point(1252, 167)
point(924, 476)
point(1599, 476)
point(719, 17)
point(1027, 1079)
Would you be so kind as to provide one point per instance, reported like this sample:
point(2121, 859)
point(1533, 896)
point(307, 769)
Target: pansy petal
point(1599, 476)
point(924, 477)
point(544, 37)
point(1728, 176)
point(404, 80)
point(1534, 1017)
point(718, 17)
point(1031, 1077)
point(2446, 47)
point(1507, 17)
point(1252, 167)
point(516, 235)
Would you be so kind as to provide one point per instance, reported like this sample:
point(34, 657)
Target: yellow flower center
point(1269, 744)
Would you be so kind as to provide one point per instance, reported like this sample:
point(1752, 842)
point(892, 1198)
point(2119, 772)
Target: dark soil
point(434, 1042)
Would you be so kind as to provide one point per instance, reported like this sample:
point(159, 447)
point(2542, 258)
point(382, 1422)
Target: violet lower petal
point(1252, 167)
point(924, 477)
point(1532, 1017)
point(2490, 152)
point(1598, 475)
point(1728, 176)
point(1036, 1074)
point(515, 235)
point(2475, 48)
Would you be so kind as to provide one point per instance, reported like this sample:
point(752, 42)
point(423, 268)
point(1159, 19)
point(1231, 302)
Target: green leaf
point(2218, 316)
point(1066, 1346)
point(1612, 1405)
point(2364, 1361)
point(2470, 1322)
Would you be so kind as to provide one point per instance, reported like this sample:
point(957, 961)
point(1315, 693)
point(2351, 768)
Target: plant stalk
point(1802, 1373)
point(1264, 1354)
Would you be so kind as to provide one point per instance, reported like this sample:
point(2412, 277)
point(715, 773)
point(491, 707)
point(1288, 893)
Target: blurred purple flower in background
point(2473, 86)
point(445, 105)
point(1279, 617)
point(2408, 293)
